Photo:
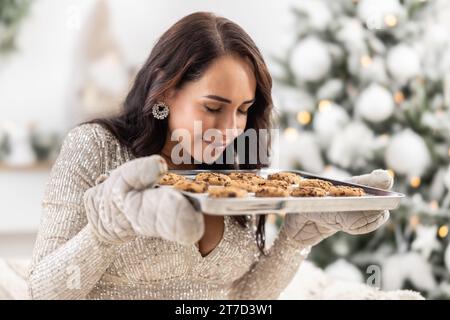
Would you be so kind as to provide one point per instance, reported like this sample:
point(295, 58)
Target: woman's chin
point(210, 157)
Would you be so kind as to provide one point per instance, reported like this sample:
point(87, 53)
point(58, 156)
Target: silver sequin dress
point(69, 262)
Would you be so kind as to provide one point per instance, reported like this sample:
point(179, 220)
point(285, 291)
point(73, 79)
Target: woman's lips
point(217, 145)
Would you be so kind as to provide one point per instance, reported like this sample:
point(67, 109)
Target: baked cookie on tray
point(227, 192)
point(247, 176)
point(241, 175)
point(289, 177)
point(346, 191)
point(191, 186)
point(243, 184)
point(170, 178)
point(275, 183)
point(308, 192)
point(318, 183)
point(213, 178)
point(271, 192)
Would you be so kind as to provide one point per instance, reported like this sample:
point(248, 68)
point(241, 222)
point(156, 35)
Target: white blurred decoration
point(330, 90)
point(426, 241)
point(312, 160)
point(374, 12)
point(318, 12)
point(344, 271)
point(447, 178)
point(410, 266)
point(333, 172)
point(289, 99)
point(447, 258)
point(100, 76)
point(408, 154)
point(311, 60)
point(375, 103)
point(21, 152)
point(353, 146)
point(403, 63)
point(330, 119)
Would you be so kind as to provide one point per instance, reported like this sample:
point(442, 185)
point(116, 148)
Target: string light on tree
point(443, 231)
point(291, 134)
point(390, 20)
point(304, 117)
point(415, 182)
point(414, 221)
point(324, 104)
point(434, 205)
point(399, 97)
point(366, 61)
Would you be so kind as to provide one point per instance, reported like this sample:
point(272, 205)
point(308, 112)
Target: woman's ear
point(169, 96)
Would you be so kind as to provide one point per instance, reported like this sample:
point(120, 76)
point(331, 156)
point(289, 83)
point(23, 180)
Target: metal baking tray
point(375, 199)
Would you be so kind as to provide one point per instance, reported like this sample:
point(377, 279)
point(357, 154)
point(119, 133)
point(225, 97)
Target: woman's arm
point(68, 259)
point(271, 273)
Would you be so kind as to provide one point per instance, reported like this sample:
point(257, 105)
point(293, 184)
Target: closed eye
point(209, 109)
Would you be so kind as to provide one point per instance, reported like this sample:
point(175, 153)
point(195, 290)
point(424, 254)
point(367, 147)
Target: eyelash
point(218, 110)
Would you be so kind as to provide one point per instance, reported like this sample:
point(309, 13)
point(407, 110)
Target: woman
point(107, 233)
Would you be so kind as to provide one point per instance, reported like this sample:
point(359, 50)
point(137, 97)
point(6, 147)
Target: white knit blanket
point(310, 282)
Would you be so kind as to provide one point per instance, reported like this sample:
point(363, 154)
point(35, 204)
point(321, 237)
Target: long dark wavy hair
point(182, 54)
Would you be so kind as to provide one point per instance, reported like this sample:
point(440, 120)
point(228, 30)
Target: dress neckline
point(218, 247)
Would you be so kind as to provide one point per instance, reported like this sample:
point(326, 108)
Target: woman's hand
point(125, 205)
point(311, 228)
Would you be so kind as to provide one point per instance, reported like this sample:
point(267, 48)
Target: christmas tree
point(365, 85)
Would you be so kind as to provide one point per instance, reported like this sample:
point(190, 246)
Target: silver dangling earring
point(160, 110)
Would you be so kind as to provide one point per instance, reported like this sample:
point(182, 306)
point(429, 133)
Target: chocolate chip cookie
point(346, 191)
point(274, 183)
point(171, 178)
point(289, 177)
point(247, 176)
point(227, 192)
point(243, 184)
point(213, 178)
point(191, 186)
point(271, 192)
point(308, 192)
point(318, 183)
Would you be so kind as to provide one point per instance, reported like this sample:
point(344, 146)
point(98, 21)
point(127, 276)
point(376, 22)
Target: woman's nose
point(228, 126)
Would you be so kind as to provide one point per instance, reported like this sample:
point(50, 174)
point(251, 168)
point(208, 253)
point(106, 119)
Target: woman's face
point(211, 112)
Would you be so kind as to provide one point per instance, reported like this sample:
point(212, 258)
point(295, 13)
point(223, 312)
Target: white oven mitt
point(124, 205)
point(310, 228)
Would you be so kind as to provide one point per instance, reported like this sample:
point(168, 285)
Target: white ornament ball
point(310, 161)
point(318, 13)
point(408, 154)
point(375, 103)
point(403, 63)
point(373, 12)
point(293, 100)
point(311, 60)
point(344, 271)
point(331, 89)
point(352, 147)
point(328, 122)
